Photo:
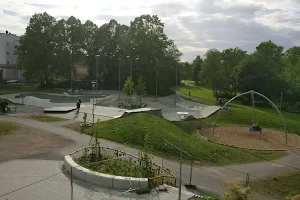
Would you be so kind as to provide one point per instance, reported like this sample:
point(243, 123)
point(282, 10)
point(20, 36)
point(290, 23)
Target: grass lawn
point(279, 186)
point(46, 118)
point(6, 128)
point(199, 92)
point(133, 130)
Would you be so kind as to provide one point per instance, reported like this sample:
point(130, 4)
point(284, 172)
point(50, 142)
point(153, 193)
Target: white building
point(8, 67)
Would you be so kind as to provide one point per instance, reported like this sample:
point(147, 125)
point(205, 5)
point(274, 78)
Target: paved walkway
point(208, 178)
point(19, 173)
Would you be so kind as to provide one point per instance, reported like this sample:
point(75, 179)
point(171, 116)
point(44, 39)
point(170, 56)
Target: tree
point(293, 55)
point(38, 46)
point(140, 89)
point(271, 56)
point(129, 87)
point(211, 71)
point(231, 58)
point(147, 41)
point(197, 67)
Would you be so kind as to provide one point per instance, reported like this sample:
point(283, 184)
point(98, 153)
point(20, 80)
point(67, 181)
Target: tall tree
point(38, 46)
point(197, 66)
point(211, 71)
point(231, 58)
point(157, 54)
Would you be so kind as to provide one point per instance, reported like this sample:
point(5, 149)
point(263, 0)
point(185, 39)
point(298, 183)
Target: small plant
point(292, 197)
point(129, 86)
point(235, 192)
point(140, 89)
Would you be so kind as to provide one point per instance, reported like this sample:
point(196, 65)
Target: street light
point(176, 88)
point(93, 111)
point(156, 79)
point(25, 52)
point(97, 75)
point(182, 116)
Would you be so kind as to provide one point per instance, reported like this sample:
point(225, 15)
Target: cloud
point(194, 25)
point(120, 19)
point(40, 5)
point(169, 9)
point(9, 12)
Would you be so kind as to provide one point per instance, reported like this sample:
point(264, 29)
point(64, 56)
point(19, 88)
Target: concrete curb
point(105, 180)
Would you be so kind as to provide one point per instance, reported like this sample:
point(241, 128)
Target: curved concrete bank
point(105, 180)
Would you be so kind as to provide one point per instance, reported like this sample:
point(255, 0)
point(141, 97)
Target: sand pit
point(240, 137)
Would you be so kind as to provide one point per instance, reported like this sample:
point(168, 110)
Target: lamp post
point(156, 80)
point(93, 110)
point(280, 101)
point(97, 75)
point(176, 87)
point(119, 78)
point(71, 61)
point(182, 116)
point(25, 52)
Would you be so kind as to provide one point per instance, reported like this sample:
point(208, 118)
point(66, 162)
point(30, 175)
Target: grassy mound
point(134, 129)
point(279, 186)
point(6, 128)
point(242, 114)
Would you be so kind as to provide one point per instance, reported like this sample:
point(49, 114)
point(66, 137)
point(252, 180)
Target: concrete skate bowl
point(110, 180)
point(65, 98)
point(239, 136)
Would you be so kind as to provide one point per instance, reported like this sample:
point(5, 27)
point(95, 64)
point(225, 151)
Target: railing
point(115, 153)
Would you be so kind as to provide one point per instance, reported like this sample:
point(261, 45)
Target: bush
point(297, 107)
point(235, 192)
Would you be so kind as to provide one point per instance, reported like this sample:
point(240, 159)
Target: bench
point(9, 108)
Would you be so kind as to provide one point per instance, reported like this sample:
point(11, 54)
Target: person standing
point(78, 106)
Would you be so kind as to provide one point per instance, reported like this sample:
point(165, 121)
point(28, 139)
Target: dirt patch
point(240, 137)
point(25, 142)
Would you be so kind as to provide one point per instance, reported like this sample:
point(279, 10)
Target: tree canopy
point(51, 48)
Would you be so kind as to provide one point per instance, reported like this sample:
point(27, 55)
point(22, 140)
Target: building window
point(7, 62)
point(7, 53)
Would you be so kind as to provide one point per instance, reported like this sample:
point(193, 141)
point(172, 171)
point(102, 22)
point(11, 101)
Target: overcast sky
point(194, 25)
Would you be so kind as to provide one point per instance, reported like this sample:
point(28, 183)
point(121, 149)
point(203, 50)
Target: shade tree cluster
point(50, 48)
point(269, 70)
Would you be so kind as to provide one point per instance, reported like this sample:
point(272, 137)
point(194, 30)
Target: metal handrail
point(124, 153)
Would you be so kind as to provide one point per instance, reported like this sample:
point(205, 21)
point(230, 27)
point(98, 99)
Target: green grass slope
point(132, 131)
point(279, 186)
point(242, 115)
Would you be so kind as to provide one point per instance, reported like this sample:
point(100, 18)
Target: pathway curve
point(207, 178)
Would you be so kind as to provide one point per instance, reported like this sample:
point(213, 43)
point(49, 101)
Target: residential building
point(8, 67)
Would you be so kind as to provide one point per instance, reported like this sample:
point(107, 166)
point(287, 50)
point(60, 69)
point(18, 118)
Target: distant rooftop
point(6, 32)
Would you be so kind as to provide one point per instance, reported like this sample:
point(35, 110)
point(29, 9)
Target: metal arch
point(253, 92)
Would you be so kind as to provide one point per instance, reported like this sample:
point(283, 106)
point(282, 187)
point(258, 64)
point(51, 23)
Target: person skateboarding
point(78, 106)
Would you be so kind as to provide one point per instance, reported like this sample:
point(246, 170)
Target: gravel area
point(26, 142)
point(240, 137)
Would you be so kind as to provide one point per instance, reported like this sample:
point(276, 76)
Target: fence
point(63, 186)
point(163, 175)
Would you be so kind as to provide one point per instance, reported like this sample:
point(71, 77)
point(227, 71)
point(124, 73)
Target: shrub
point(234, 192)
point(297, 107)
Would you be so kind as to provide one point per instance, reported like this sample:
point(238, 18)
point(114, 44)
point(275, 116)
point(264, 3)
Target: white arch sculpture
point(252, 92)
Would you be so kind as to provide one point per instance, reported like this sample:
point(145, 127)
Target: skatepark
point(106, 105)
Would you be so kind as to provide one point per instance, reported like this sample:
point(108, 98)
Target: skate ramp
point(153, 111)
